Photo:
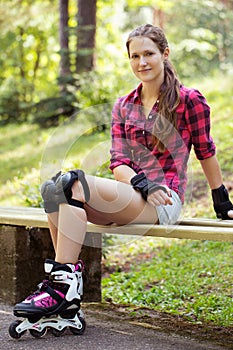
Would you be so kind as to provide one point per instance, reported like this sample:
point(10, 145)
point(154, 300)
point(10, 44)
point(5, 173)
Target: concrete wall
point(22, 254)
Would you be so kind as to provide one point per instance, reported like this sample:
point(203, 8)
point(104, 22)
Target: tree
point(38, 70)
point(86, 30)
point(27, 56)
point(64, 38)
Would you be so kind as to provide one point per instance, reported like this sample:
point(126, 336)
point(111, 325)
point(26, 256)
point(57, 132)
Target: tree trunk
point(86, 18)
point(158, 17)
point(64, 38)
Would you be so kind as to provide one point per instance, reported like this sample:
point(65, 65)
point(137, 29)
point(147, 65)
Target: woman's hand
point(160, 197)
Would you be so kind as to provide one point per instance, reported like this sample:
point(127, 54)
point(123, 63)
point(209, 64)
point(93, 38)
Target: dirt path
point(112, 328)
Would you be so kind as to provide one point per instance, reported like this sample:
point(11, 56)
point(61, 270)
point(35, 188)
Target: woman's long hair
point(169, 91)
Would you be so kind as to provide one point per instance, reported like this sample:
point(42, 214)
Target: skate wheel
point(12, 330)
point(37, 334)
point(80, 331)
point(56, 332)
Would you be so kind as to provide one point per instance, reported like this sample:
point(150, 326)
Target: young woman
point(153, 130)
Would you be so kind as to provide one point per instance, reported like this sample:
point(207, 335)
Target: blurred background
point(65, 62)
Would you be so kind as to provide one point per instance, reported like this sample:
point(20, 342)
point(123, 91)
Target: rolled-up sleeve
point(198, 121)
point(120, 150)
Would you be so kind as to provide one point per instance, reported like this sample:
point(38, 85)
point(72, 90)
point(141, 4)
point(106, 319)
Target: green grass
point(189, 278)
point(23, 150)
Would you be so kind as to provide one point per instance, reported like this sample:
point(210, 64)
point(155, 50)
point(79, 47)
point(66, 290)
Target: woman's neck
point(150, 92)
point(149, 97)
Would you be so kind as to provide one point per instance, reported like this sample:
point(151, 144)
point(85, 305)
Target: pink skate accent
point(45, 300)
point(79, 266)
point(41, 298)
point(38, 291)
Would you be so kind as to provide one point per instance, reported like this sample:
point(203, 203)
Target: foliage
point(203, 41)
point(181, 278)
point(10, 107)
point(96, 99)
point(22, 149)
point(206, 44)
point(27, 189)
point(51, 111)
point(30, 54)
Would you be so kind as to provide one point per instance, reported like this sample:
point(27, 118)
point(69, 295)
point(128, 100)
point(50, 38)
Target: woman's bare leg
point(110, 201)
point(67, 229)
point(117, 202)
point(53, 225)
point(71, 233)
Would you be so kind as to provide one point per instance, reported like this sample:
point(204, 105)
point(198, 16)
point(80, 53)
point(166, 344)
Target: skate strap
point(53, 293)
point(76, 203)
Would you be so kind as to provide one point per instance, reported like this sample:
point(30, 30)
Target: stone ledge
point(22, 254)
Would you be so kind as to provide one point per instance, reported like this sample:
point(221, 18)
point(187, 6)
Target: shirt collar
point(137, 93)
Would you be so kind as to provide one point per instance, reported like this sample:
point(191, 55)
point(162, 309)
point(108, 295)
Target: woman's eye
point(134, 57)
point(149, 53)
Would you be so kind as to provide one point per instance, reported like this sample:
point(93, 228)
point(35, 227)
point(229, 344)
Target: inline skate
point(55, 305)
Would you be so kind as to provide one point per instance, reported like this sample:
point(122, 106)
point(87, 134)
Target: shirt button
point(143, 132)
point(150, 116)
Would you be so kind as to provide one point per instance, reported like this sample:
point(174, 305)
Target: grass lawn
point(25, 149)
point(192, 279)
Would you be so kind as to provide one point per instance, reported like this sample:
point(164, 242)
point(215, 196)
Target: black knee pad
point(48, 191)
point(59, 190)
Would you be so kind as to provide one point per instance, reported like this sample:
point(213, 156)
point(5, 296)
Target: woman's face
point(146, 60)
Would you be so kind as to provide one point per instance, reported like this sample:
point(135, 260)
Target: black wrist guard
point(145, 186)
point(221, 201)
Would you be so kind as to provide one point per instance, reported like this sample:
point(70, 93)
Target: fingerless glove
point(221, 202)
point(142, 184)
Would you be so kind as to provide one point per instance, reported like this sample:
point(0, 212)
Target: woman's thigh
point(114, 201)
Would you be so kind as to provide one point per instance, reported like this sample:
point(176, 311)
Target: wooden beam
point(198, 228)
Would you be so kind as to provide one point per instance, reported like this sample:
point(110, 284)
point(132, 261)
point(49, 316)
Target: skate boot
point(55, 305)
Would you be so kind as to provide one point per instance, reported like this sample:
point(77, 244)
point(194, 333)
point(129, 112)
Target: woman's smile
point(146, 60)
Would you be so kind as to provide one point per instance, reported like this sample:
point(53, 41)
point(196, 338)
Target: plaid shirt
point(132, 139)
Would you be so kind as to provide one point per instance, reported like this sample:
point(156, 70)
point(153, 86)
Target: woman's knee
point(78, 191)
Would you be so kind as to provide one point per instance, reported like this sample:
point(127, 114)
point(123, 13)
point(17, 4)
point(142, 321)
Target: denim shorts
point(169, 214)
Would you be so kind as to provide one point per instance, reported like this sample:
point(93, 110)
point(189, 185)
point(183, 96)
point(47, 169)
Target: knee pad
point(59, 190)
point(48, 191)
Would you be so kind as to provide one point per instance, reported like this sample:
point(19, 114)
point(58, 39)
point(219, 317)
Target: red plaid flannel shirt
point(132, 139)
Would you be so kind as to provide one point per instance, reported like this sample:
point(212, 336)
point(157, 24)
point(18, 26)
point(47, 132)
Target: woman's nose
point(142, 61)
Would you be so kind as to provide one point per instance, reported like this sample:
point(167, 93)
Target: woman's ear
point(166, 53)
